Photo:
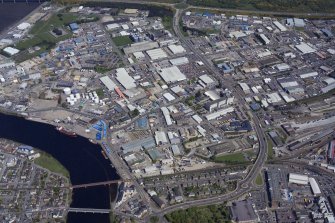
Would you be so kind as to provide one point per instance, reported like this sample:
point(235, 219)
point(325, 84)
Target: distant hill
point(270, 5)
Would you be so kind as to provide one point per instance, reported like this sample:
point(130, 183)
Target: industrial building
point(11, 51)
point(176, 49)
point(137, 145)
point(156, 54)
point(206, 81)
point(140, 46)
point(109, 84)
point(179, 61)
point(298, 179)
point(219, 113)
point(314, 186)
point(280, 26)
point(305, 48)
point(172, 75)
point(167, 116)
point(125, 80)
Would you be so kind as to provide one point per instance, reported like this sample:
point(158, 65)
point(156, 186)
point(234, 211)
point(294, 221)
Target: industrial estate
point(192, 107)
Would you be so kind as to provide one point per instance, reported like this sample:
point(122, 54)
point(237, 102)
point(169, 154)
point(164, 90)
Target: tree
point(154, 219)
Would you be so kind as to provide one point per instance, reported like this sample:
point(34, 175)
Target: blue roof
point(74, 26)
point(327, 32)
point(142, 123)
point(24, 147)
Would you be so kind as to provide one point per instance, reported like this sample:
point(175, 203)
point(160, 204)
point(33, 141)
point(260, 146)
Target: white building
point(298, 179)
point(125, 80)
point(219, 113)
point(156, 54)
point(172, 75)
point(176, 49)
point(11, 51)
point(160, 138)
point(109, 84)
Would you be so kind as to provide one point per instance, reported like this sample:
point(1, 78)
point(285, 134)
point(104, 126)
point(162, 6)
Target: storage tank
point(67, 91)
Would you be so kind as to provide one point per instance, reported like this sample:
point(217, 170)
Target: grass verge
point(48, 162)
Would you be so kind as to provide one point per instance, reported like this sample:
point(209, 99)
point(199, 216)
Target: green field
point(270, 5)
point(259, 179)
point(233, 158)
point(208, 214)
point(48, 162)
point(122, 40)
point(41, 37)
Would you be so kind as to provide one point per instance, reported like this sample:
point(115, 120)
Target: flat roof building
point(109, 84)
point(172, 75)
point(176, 49)
point(305, 48)
point(140, 46)
point(156, 54)
point(125, 80)
point(11, 51)
point(298, 179)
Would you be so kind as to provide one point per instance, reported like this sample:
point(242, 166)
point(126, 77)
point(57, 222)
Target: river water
point(82, 159)
point(11, 13)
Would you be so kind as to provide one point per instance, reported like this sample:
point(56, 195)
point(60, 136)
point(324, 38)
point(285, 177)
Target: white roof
point(219, 113)
point(156, 54)
point(167, 116)
point(298, 178)
point(206, 79)
point(212, 95)
point(244, 86)
point(264, 38)
point(197, 118)
point(112, 26)
point(23, 26)
point(172, 74)
point(175, 49)
point(110, 85)
point(237, 34)
point(125, 80)
point(274, 97)
point(280, 26)
point(329, 80)
point(310, 74)
point(179, 61)
point(314, 185)
point(11, 51)
point(125, 26)
point(124, 33)
point(138, 55)
point(305, 48)
point(168, 96)
point(160, 137)
point(177, 89)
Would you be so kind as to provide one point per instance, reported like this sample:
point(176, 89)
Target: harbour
point(79, 156)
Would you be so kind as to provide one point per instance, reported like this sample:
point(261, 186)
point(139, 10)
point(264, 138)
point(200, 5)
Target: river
point(11, 13)
point(81, 158)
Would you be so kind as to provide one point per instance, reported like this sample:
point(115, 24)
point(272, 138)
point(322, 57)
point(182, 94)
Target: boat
point(104, 154)
point(66, 132)
point(92, 141)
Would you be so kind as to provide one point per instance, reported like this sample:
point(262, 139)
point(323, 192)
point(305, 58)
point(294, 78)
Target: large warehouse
point(156, 54)
point(110, 85)
point(172, 74)
point(125, 80)
point(298, 179)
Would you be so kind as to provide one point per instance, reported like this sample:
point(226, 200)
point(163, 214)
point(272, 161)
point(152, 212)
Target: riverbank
point(50, 163)
point(16, 15)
